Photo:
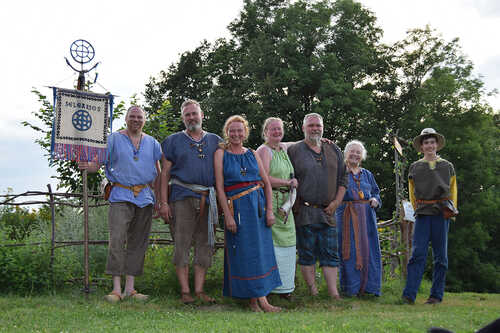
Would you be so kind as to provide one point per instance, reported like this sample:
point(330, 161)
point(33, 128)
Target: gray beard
point(315, 140)
point(194, 127)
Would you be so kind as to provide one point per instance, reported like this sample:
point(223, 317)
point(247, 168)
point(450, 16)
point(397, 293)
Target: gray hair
point(188, 102)
point(266, 124)
point(312, 115)
point(356, 142)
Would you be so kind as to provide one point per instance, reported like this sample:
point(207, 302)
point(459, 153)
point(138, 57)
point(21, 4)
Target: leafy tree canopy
point(287, 59)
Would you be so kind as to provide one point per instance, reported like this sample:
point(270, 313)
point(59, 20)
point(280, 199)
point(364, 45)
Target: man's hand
point(330, 209)
point(91, 166)
point(165, 212)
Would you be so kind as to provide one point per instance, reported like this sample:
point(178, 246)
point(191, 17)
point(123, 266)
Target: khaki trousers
point(129, 228)
point(186, 227)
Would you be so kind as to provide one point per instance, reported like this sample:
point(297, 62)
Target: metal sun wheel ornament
point(82, 52)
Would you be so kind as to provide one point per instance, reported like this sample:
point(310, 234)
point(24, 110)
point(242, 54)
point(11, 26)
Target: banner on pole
point(80, 127)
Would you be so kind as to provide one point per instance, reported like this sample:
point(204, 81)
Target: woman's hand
point(270, 219)
point(330, 209)
point(293, 183)
point(373, 202)
point(230, 224)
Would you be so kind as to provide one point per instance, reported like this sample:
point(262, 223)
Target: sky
point(134, 41)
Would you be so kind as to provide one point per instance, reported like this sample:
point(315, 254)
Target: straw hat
point(429, 131)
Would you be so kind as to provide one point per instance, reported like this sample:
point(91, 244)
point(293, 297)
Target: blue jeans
point(433, 228)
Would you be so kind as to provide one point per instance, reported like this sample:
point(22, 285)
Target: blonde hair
point(229, 121)
point(266, 124)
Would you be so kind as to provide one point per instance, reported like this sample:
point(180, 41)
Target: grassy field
point(70, 311)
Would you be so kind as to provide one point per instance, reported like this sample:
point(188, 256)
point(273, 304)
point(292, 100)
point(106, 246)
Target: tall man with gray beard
point(190, 207)
point(322, 177)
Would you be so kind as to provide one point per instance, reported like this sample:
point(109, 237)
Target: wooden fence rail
point(400, 239)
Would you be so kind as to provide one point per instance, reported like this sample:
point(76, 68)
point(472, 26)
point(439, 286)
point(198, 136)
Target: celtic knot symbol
point(82, 120)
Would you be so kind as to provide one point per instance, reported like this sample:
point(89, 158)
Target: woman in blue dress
point(244, 193)
point(360, 258)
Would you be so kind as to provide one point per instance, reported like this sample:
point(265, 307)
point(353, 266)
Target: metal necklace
point(136, 151)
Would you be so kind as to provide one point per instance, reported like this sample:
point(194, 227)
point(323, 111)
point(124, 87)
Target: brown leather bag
point(107, 191)
point(448, 209)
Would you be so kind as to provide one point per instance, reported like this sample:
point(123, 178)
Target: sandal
point(113, 297)
point(205, 298)
point(186, 298)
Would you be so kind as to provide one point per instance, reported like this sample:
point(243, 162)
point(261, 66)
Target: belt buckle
point(307, 204)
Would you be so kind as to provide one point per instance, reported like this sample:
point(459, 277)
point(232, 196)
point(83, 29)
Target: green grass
point(70, 311)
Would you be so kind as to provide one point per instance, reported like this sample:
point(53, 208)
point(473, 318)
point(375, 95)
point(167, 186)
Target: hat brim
point(440, 141)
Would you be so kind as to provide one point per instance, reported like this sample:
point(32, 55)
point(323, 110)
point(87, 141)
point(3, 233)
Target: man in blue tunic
point(189, 203)
point(132, 168)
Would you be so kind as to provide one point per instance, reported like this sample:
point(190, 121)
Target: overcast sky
point(136, 40)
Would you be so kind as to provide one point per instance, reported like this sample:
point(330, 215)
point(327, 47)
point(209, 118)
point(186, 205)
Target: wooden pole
point(394, 242)
point(53, 231)
point(85, 199)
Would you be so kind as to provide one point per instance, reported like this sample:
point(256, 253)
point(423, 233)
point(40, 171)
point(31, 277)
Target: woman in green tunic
point(280, 171)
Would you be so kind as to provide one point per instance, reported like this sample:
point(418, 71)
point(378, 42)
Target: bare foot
point(266, 306)
point(313, 290)
point(271, 308)
point(336, 297)
point(254, 306)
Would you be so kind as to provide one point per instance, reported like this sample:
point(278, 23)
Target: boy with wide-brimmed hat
point(433, 194)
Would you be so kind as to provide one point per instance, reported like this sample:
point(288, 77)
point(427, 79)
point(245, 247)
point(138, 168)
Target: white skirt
point(286, 259)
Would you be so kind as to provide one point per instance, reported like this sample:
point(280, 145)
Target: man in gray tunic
point(322, 177)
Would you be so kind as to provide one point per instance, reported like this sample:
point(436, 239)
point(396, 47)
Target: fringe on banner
point(79, 153)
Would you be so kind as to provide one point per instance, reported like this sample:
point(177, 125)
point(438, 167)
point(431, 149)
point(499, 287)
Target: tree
point(287, 59)
point(432, 85)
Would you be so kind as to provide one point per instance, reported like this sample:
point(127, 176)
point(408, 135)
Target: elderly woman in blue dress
point(360, 258)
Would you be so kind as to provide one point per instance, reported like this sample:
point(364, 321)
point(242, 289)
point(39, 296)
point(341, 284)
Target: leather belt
point(428, 202)
point(239, 195)
point(203, 200)
point(307, 204)
point(136, 189)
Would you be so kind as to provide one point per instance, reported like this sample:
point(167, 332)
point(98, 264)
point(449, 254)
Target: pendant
point(361, 194)
point(243, 171)
point(136, 158)
point(201, 156)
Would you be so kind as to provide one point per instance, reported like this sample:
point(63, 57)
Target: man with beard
point(322, 177)
point(187, 188)
point(132, 168)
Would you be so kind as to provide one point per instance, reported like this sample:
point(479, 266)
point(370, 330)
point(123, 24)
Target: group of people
point(285, 198)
